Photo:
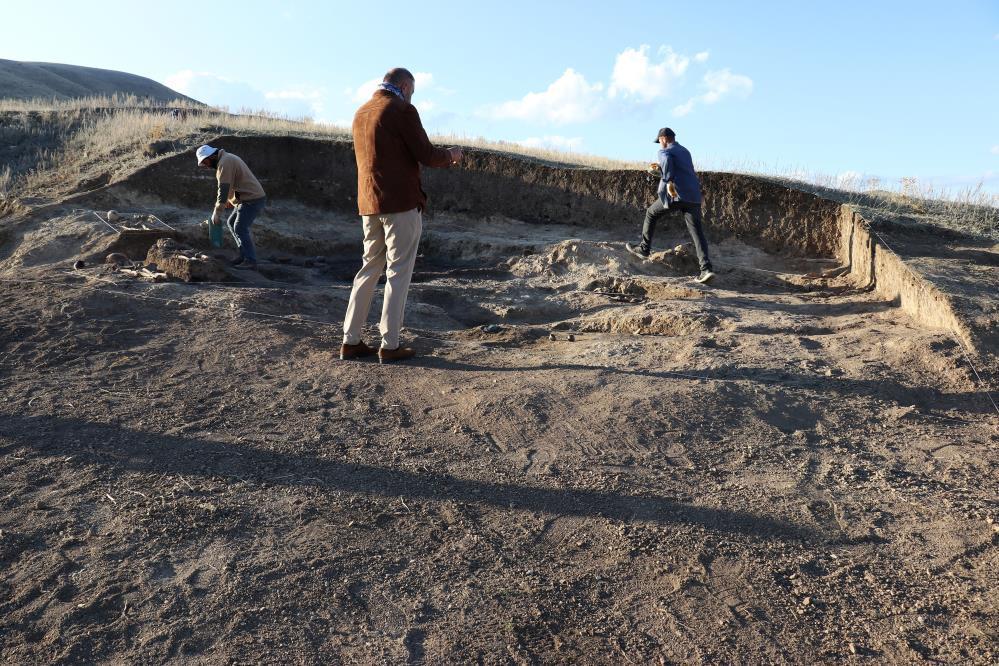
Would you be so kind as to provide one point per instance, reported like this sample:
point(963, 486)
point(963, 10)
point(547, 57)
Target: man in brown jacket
point(390, 144)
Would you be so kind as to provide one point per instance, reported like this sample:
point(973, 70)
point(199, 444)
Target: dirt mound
point(45, 241)
point(642, 288)
point(586, 259)
point(654, 322)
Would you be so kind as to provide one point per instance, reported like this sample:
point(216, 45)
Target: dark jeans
point(692, 216)
point(239, 226)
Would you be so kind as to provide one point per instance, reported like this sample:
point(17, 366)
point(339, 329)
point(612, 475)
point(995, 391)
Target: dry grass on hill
point(911, 203)
point(51, 148)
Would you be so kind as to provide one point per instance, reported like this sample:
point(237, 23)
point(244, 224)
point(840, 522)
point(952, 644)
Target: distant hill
point(28, 80)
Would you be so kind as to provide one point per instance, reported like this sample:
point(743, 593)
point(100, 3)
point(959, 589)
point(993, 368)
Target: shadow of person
point(116, 447)
point(930, 400)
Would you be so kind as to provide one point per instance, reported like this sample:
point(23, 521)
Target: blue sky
point(891, 89)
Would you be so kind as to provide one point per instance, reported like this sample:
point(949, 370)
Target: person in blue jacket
point(679, 189)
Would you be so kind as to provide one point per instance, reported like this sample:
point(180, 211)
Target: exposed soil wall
point(873, 263)
point(323, 174)
point(778, 219)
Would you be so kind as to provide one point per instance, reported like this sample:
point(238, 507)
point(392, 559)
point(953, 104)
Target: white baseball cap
point(205, 151)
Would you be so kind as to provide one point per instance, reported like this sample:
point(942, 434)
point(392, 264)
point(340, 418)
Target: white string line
point(223, 284)
point(964, 352)
point(106, 223)
point(807, 276)
point(981, 381)
point(115, 229)
point(162, 222)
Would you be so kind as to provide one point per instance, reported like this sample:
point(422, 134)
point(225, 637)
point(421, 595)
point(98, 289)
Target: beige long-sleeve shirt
point(243, 186)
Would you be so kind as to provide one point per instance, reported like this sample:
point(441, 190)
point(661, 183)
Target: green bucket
point(215, 234)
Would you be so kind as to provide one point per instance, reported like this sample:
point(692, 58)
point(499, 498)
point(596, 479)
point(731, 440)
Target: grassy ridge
point(52, 148)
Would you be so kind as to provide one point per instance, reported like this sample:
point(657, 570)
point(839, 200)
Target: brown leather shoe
point(393, 355)
point(360, 350)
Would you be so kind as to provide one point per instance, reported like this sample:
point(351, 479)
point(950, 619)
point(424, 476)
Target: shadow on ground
point(117, 447)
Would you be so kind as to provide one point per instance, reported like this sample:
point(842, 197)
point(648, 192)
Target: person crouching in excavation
point(390, 144)
point(238, 189)
point(679, 189)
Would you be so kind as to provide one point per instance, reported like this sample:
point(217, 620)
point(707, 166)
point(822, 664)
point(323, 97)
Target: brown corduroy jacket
point(390, 144)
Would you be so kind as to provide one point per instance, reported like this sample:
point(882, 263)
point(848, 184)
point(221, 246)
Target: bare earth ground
point(771, 470)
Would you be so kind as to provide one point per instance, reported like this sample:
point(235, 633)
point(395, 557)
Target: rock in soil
point(185, 263)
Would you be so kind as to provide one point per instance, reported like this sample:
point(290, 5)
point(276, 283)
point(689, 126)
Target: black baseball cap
point(666, 132)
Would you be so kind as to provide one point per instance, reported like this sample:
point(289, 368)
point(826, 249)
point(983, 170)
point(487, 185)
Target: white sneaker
point(705, 277)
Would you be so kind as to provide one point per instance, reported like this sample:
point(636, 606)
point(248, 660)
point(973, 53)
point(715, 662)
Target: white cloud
point(297, 102)
point(362, 93)
point(293, 94)
point(569, 99)
point(294, 102)
point(217, 90)
point(553, 142)
point(724, 83)
point(685, 108)
point(681, 110)
point(995, 150)
point(719, 85)
point(635, 75)
point(181, 81)
point(638, 77)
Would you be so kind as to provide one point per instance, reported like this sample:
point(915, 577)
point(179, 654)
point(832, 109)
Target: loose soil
point(772, 469)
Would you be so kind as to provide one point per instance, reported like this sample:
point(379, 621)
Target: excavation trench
point(515, 241)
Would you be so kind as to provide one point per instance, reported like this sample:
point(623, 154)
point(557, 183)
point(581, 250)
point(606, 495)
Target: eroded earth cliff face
point(322, 174)
point(772, 217)
point(593, 458)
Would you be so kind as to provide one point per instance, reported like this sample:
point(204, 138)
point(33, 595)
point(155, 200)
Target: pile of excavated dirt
point(592, 458)
point(586, 258)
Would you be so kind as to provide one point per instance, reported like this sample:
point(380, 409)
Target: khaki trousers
point(390, 244)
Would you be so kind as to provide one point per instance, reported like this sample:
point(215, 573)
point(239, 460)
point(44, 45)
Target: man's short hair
point(398, 75)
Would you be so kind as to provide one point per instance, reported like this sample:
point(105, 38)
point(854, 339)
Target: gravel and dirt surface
point(771, 469)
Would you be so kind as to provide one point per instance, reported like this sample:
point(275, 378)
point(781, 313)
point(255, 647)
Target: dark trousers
point(691, 215)
point(239, 226)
